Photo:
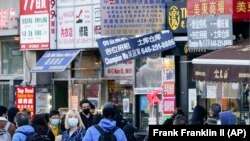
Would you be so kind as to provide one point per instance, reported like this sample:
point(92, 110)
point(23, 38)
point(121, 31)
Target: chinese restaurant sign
point(176, 16)
point(209, 7)
point(132, 17)
point(135, 47)
point(25, 98)
point(34, 24)
point(120, 70)
point(7, 18)
point(241, 10)
point(209, 32)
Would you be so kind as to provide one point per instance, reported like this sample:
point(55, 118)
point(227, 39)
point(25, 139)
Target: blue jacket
point(227, 118)
point(27, 129)
point(93, 134)
point(76, 136)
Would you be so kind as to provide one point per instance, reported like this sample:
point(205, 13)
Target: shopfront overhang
point(230, 64)
point(55, 61)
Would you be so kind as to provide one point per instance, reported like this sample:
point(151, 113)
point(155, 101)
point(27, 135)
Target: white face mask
point(54, 122)
point(73, 122)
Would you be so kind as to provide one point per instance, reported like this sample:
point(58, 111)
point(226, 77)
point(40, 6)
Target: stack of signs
point(168, 86)
point(209, 23)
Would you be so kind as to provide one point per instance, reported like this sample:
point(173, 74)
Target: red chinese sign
point(168, 89)
point(209, 7)
point(25, 98)
point(7, 18)
point(241, 10)
point(168, 105)
point(35, 24)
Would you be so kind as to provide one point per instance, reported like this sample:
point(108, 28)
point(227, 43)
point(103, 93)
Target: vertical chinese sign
point(241, 10)
point(34, 24)
point(25, 98)
point(168, 86)
point(176, 12)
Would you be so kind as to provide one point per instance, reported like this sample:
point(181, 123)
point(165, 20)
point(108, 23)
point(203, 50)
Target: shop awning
point(55, 61)
point(230, 64)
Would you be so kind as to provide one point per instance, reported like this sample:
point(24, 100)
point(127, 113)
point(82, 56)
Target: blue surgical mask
point(54, 122)
point(73, 122)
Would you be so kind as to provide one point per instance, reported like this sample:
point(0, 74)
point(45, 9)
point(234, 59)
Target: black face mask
point(86, 111)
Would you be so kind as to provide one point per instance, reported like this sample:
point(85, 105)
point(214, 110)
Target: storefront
point(223, 77)
point(12, 60)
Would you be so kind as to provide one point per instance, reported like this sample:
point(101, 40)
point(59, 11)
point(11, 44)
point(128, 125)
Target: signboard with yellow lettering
point(209, 7)
point(176, 20)
point(241, 10)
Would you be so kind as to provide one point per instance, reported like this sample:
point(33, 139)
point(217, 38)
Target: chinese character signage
point(52, 24)
point(209, 7)
point(34, 24)
point(55, 61)
point(168, 105)
point(25, 98)
point(78, 26)
point(241, 10)
point(168, 89)
point(135, 47)
point(132, 17)
point(83, 26)
point(176, 16)
point(120, 70)
point(9, 17)
point(65, 25)
point(210, 32)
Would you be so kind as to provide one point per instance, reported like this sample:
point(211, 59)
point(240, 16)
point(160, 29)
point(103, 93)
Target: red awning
point(230, 64)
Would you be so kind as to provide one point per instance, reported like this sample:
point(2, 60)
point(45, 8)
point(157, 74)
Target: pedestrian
point(12, 111)
point(106, 125)
point(170, 120)
point(213, 114)
point(23, 127)
point(75, 129)
point(6, 126)
point(86, 116)
point(54, 122)
point(41, 127)
point(179, 120)
point(198, 115)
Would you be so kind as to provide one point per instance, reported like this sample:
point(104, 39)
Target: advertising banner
point(210, 32)
point(65, 25)
point(83, 27)
point(52, 24)
point(209, 7)
point(241, 10)
point(34, 25)
point(176, 16)
point(168, 89)
point(120, 70)
point(135, 47)
point(132, 17)
point(25, 98)
point(96, 24)
point(168, 105)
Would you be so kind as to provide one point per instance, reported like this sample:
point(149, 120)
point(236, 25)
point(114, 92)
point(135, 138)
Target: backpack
point(4, 133)
point(35, 137)
point(106, 136)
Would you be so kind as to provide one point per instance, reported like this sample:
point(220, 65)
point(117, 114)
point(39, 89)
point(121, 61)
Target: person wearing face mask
point(54, 122)
point(75, 128)
point(86, 116)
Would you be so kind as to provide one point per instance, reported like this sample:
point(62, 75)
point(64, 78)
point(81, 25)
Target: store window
point(4, 94)
point(12, 58)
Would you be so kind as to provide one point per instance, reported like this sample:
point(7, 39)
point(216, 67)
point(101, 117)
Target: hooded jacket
point(227, 118)
point(27, 129)
point(93, 134)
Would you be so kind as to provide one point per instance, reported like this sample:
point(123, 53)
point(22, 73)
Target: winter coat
point(93, 134)
point(76, 136)
point(43, 130)
point(27, 129)
point(227, 118)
